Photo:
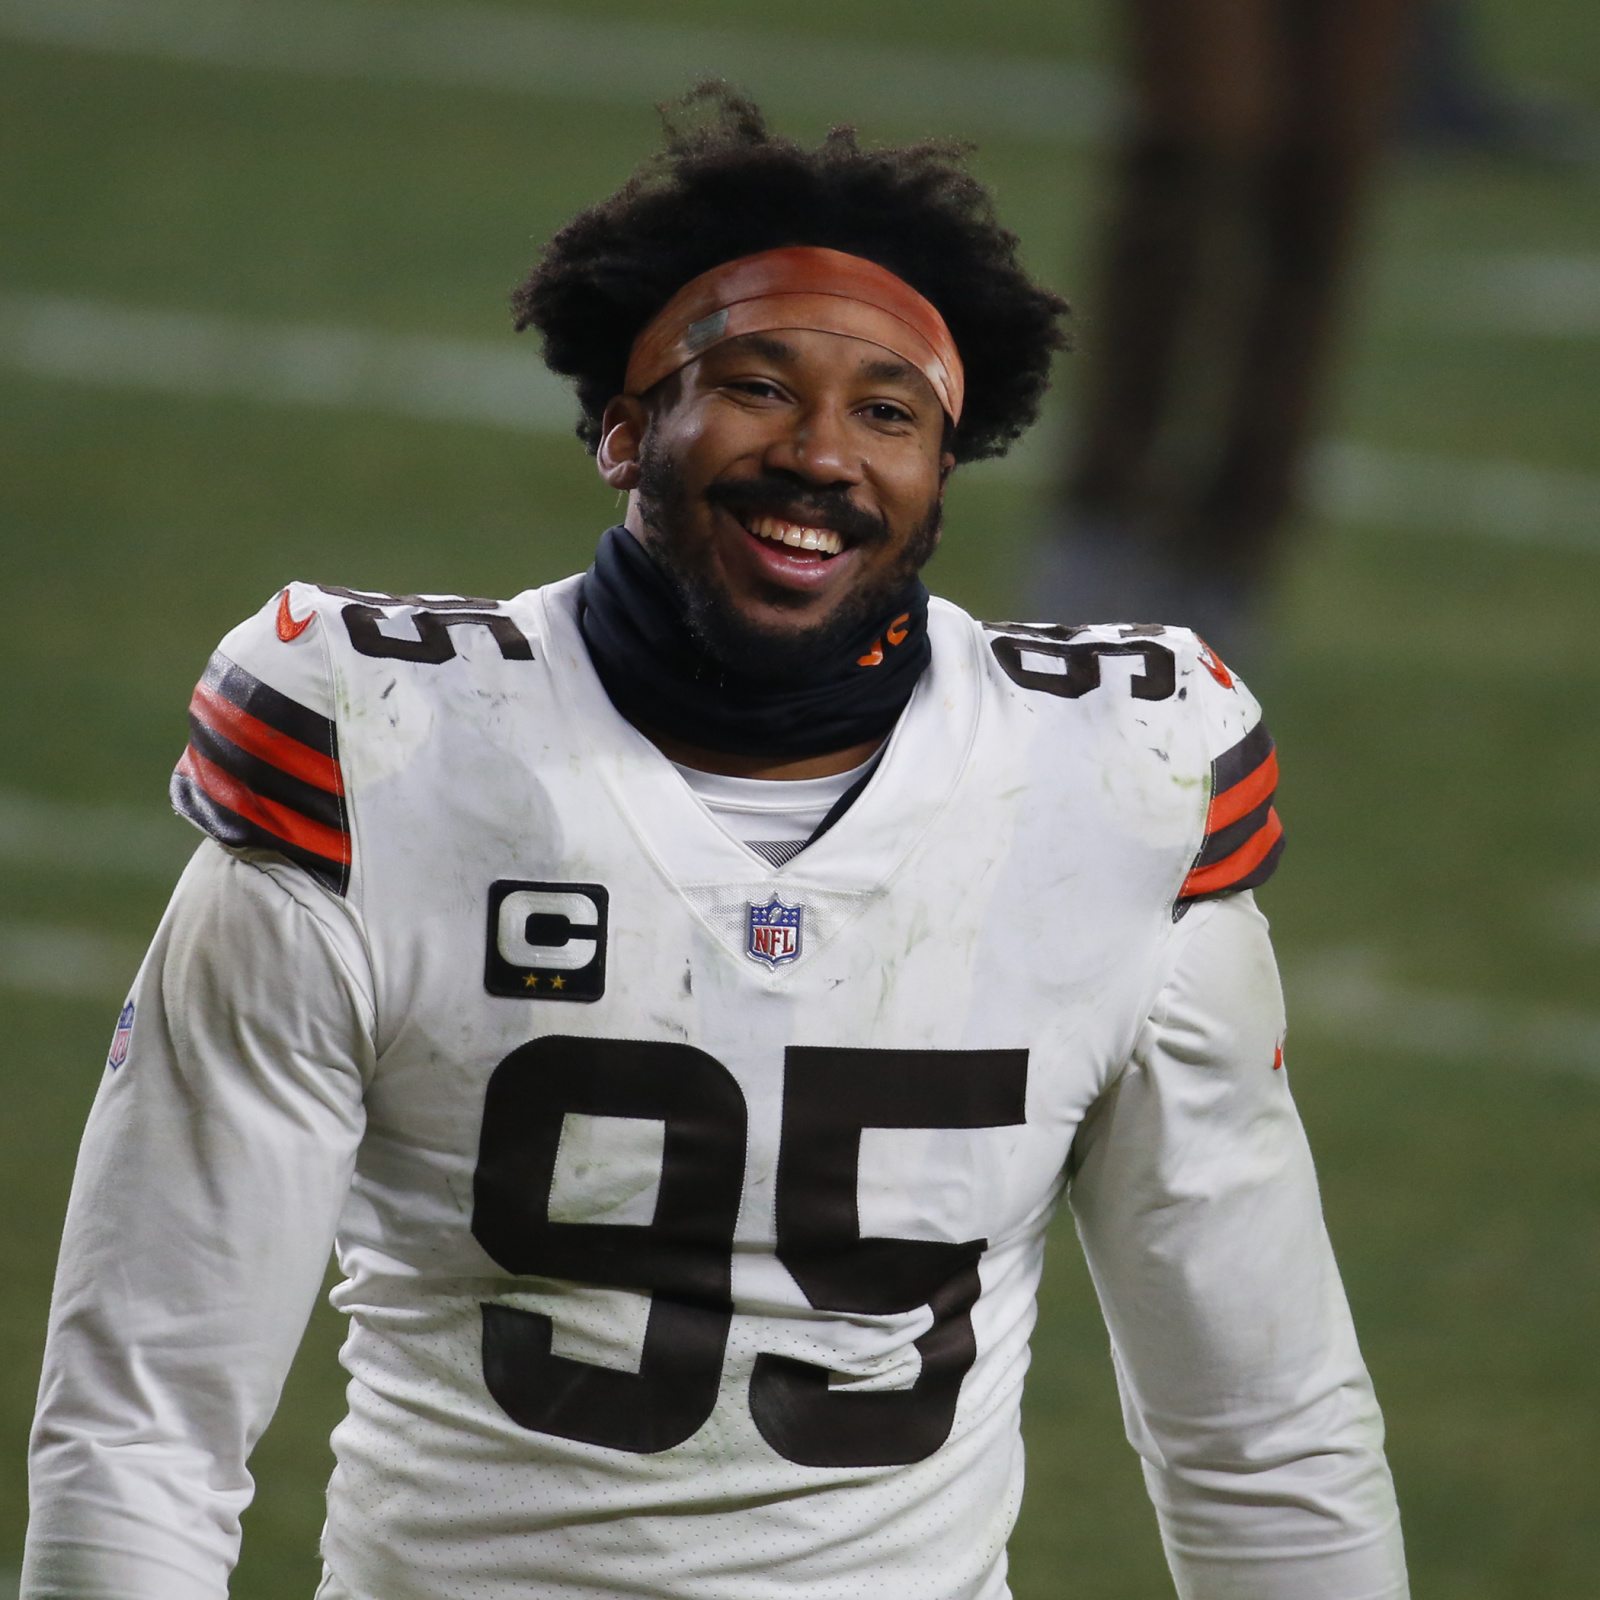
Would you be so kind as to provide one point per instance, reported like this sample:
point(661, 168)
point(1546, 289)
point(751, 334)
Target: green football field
point(253, 266)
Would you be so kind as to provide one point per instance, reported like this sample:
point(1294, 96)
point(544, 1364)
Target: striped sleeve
point(262, 772)
point(1243, 838)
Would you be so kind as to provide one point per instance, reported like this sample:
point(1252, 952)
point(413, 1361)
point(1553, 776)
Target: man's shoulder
point(272, 717)
point(1155, 713)
point(309, 634)
point(1098, 666)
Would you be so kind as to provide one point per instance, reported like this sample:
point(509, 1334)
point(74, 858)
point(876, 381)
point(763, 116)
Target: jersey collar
point(925, 759)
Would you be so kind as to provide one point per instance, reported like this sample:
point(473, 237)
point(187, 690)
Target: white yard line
point(72, 963)
point(70, 836)
point(1344, 996)
point(566, 57)
point(207, 356)
point(1413, 492)
point(1528, 295)
point(310, 364)
point(1574, 911)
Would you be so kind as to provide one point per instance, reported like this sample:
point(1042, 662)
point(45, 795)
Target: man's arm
point(1243, 1387)
point(208, 1186)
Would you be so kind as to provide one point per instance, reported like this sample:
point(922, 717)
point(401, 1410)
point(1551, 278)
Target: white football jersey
point(691, 1209)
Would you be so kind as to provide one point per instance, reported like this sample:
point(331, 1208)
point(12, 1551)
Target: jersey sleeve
point(208, 1187)
point(1243, 836)
point(262, 767)
point(1243, 1386)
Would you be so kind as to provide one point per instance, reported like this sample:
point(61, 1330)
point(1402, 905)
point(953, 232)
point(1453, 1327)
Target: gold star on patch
point(531, 981)
point(558, 983)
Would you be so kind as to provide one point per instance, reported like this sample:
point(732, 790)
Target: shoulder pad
point(1242, 839)
point(1063, 659)
point(261, 770)
point(425, 629)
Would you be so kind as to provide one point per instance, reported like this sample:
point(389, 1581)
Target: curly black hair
point(724, 187)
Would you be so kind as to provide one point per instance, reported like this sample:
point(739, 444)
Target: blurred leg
point(1148, 283)
point(1257, 125)
point(1341, 57)
point(1202, 76)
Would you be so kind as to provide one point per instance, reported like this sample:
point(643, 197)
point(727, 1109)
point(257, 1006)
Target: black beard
point(743, 648)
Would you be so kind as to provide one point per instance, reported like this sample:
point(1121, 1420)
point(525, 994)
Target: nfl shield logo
point(122, 1038)
point(774, 932)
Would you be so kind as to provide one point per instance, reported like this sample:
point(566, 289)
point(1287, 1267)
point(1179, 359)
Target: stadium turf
point(1431, 691)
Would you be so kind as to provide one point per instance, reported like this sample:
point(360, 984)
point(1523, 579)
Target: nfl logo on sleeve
point(774, 932)
point(122, 1038)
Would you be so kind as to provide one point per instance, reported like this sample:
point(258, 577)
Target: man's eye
point(887, 411)
point(758, 387)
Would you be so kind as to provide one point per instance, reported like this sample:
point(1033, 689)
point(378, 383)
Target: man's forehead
point(870, 361)
point(802, 295)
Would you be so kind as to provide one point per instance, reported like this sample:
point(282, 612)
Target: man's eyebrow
point(762, 344)
point(881, 371)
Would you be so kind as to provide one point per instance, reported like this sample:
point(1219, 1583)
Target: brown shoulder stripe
point(262, 771)
point(1244, 838)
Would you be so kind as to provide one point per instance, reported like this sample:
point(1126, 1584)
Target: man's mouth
point(796, 535)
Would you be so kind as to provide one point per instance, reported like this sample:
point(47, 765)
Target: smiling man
point(683, 994)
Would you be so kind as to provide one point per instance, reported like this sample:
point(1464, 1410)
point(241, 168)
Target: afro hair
point(724, 187)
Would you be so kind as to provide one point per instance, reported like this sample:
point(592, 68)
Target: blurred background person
point(1254, 128)
point(1252, 132)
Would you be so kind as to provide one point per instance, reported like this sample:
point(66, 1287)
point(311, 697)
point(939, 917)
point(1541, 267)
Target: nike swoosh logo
point(1213, 664)
point(288, 629)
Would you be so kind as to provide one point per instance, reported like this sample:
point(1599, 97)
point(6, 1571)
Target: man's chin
point(773, 645)
point(774, 635)
point(781, 633)
point(779, 609)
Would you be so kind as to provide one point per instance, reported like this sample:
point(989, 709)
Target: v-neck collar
point(866, 848)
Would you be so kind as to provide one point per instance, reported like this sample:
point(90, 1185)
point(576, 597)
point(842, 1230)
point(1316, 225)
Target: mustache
point(803, 503)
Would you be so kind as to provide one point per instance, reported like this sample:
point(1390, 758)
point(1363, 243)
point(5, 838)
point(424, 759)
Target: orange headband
point(801, 286)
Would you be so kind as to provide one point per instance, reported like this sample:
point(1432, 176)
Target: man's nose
point(819, 446)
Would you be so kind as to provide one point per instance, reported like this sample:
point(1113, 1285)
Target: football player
point(682, 995)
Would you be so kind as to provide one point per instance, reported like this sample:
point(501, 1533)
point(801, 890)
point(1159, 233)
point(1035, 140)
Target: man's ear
point(622, 431)
point(947, 465)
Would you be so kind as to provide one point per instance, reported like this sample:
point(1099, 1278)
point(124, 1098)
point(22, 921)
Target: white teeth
point(823, 540)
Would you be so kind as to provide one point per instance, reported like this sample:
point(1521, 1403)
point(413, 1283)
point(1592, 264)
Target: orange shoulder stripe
point(255, 738)
point(276, 819)
point(1244, 796)
point(1220, 874)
